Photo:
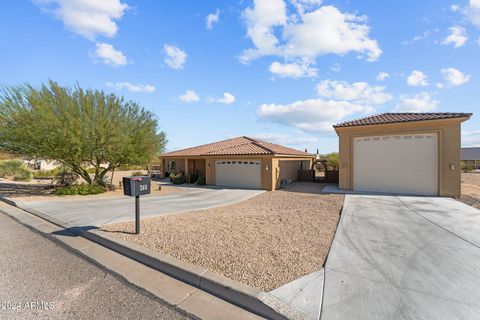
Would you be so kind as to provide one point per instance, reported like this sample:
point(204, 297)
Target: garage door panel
point(396, 164)
point(238, 173)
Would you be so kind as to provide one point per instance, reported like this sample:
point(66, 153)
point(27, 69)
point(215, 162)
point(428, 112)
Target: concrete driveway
point(404, 258)
point(97, 212)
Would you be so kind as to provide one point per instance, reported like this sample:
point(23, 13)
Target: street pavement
point(42, 280)
point(404, 258)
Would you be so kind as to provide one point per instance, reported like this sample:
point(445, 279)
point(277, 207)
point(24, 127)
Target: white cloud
point(457, 37)
point(358, 92)
point(293, 70)
point(189, 96)
point(382, 76)
point(417, 79)
point(312, 115)
point(175, 57)
point(422, 102)
point(454, 7)
point(472, 12)
point(286, 139)
point(227, 98)
point(109, 55)
point(312, 32)
point(88, 18)
point(455, 77)
point(147, 88)
point(260, 21)
point(212, 19)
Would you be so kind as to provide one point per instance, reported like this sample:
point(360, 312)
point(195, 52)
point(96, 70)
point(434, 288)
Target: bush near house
point(467, 166)
point(16, 170)
point(79, 189)
point(177, 178)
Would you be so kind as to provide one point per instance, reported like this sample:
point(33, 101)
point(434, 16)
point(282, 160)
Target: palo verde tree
point(80, 128)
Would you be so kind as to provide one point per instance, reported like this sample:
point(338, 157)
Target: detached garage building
point(241, 162)
point(406, 153)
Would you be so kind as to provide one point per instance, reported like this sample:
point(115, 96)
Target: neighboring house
point(240, 162)
point(409, 153)
point(471, 155)
point(39, 164)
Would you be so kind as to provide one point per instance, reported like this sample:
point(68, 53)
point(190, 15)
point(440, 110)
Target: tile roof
point(386, 118)
point(471, 153)
point(237, 146)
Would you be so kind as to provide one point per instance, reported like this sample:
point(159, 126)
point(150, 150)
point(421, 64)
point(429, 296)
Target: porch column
point(186, 167)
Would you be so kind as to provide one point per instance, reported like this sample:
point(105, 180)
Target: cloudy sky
point(281, 70)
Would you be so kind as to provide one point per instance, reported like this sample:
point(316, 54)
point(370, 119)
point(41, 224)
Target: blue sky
point(281, 70)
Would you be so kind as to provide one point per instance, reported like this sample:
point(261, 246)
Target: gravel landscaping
point(471, 189)
point(265, 242)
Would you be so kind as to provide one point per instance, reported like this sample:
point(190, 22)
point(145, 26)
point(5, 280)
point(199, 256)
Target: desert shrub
point(332, 161)
point(128, 168)
point(23, 174)
point(9, 168)
point(177, 178)
point(79, 189)
point(201, 180)
point(137, 173)
point(65, 178)
point(467, 166)
point(47, 173)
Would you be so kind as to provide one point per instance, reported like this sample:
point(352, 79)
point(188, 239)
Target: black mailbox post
point(136, 187)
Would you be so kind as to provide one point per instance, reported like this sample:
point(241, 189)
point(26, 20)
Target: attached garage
point(238, 173)
point(241, 162)
point(404, 153)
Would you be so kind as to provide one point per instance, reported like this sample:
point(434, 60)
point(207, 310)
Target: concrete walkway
point(97, 212)
point(404, 258)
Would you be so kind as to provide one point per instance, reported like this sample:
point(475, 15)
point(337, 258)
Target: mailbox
point(136, 186)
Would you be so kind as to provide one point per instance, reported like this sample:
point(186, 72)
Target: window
point(172, 165)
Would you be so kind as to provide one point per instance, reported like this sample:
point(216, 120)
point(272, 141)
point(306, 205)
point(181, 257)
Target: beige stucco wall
point(271, 170)
point(288, 169)
point(449, 140)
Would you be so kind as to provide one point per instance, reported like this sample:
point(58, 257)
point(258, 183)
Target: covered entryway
point(406, 164)
point(238, 173)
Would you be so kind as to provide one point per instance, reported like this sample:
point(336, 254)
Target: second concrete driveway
point(97, 212)
point(404, 258)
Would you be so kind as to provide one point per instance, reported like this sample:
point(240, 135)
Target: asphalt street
point(42, 280)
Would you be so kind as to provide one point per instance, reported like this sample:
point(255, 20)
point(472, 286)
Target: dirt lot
point(265, 241)
point(37, 191)
point(471, 189)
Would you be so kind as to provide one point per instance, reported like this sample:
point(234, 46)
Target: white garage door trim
point(239, 173)
point(403, 163)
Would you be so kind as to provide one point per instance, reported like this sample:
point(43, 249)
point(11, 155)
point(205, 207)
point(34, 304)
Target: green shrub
point(128, 168)
point(137, 173)
point(9, 168)
point(23, 174)
point(201, 180)
point(177, 178)
point(467, 166)
point(79, 189)
point(47, 173)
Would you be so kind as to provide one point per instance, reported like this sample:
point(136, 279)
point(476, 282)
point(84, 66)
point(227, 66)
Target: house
point(241, 162)
point(471, 155)
point(41, 164)
point(407, 153)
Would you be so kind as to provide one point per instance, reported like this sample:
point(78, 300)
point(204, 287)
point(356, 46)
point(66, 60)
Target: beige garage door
point(238, 173)
point(406, 164)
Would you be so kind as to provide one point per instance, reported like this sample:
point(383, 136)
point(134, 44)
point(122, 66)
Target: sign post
point(136, 187)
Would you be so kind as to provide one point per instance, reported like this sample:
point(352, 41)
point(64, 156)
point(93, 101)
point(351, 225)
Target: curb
point(251, 299)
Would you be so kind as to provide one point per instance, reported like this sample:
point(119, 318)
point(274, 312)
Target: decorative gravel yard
point(471, 189)
point(265, 242)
